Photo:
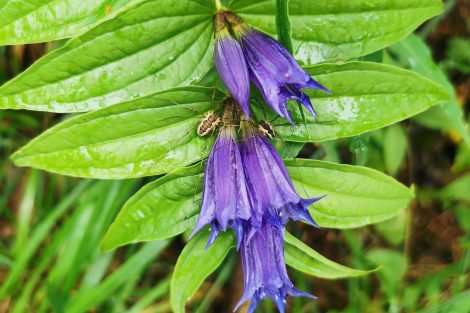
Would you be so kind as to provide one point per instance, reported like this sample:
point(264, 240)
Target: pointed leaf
point(151, 46)
point(366, 96)
point(303, 258)
point(195, 264)
point(162, 209)
point(355, 196)
point(328, 30)
point(147, 136)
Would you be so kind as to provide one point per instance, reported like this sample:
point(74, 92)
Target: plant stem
point(218, 5)
point(283, 24)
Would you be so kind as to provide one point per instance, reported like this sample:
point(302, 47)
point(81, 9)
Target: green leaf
point(393, 269)
point(394, 146)
point(195, 264)
point(413, 53)
point(457, 190)
point(162, 209)
point(303, 258)
point(355, 196)
point(366, 96)
point(46, 20)
point(150, 47)
point(328, 30)
point(394, 229)
point(458, 303)
point(147, 136)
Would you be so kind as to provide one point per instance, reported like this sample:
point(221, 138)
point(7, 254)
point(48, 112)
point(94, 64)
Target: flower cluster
point(243, 53)
point(246, 185)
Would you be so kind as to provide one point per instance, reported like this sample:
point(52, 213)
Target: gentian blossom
point(270, 188)
point(265, 61)
point(275, 72)
point(225, 201)
point(264, 269)
point(231, 65)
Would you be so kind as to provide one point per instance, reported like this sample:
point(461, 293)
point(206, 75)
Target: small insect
point(266, 129)
point(208, 123)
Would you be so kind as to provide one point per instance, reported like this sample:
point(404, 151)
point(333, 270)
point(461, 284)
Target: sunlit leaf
point(355, 196)
point(147, 136)
point(303, 258)
point(150, 47)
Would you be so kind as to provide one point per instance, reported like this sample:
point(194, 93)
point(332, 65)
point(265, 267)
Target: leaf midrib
point(108, 141)
point(350, 194)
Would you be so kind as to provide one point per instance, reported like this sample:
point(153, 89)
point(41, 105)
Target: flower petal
point(231, 65)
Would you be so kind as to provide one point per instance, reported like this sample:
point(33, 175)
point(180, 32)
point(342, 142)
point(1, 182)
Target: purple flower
point(275, 72)
point(225, 201)
point(264, 269)
point(231, 65)
point(271, 190)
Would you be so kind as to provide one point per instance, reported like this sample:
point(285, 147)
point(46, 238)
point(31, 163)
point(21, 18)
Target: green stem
point(283, 24)
point(218, 5)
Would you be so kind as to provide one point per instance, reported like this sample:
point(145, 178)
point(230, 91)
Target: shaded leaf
point(457, 190)
point(458, 303)
point(413, 53)
point(394, 146)
point(393, 269)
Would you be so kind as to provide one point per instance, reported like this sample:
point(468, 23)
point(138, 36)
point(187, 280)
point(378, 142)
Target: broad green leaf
point(413, 53)
point(303, 258)
point(162, 209)
point(327, 30)
point(355, 196)
point(366, 96)
point(47, 20)
point(196, 263)
point(147, 136)
point(150, 47)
